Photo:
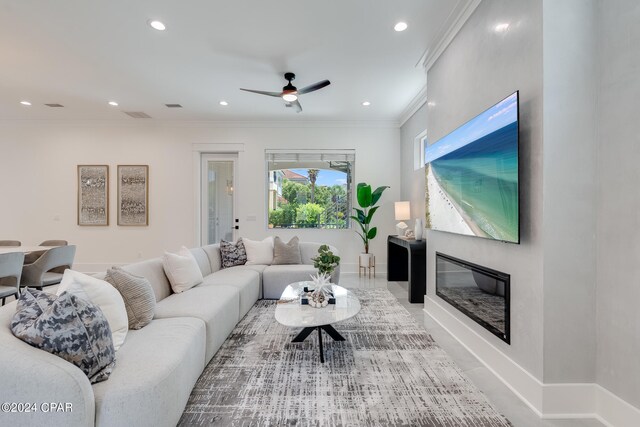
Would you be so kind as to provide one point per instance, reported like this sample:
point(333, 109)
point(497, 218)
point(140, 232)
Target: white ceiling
point(83, 53)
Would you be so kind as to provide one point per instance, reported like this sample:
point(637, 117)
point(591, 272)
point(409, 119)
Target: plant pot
point(366, 260)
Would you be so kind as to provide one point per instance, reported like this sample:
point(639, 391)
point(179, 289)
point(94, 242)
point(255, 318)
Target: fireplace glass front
point(479, 292)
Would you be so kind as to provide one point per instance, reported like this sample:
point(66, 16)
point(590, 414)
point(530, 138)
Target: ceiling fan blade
point(296, 105)
point(313, 87)
point(262, 92)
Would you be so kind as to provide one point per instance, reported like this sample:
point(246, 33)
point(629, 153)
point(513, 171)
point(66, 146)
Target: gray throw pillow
point(69, 327)
point(138, 296)
point(232, 253)
point(286, 253)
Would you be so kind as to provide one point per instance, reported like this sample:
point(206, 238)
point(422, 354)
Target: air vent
point(137, 114)
point(173, 105)
point(54, 105)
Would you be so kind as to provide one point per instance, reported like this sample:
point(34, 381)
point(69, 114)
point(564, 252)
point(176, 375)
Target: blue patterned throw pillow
point(69, 327)
point(232, 253)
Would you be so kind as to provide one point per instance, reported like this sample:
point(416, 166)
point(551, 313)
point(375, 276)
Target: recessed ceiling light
point(224, 103)
point(501, 28)
point(27, 103)
point(157, 25)
point(431, 103)
point(365, 103)
point(113, 103)
point(400, 26)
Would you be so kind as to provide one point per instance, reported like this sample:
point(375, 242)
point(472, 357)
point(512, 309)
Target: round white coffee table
point(295, 315)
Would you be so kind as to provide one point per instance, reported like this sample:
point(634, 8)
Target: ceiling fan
point(290, 93)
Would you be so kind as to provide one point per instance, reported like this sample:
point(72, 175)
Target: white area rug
point(388, 372)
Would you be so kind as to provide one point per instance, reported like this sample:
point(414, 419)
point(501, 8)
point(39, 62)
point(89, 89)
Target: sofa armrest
point(42, 380)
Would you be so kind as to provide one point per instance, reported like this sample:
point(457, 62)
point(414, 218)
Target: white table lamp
point(403, 212)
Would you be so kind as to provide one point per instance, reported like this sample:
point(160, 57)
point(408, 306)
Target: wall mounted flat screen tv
point(472, 176)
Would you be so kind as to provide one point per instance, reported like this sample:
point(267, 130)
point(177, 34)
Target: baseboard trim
point(548, 401)
point(519, 380)
point(612, 411)
point(352, 268)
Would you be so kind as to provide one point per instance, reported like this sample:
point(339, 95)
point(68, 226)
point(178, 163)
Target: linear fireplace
point(479, 292)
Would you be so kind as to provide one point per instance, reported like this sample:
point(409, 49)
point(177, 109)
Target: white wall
point(618, 266)
point(38, 182)
point(479, 68)
point(413, 179)
point(575, 293)
point(570, 177)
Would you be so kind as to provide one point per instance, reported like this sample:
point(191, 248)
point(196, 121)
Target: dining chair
point(38, 274)
point(31, 257)
point(10, 243)
point(10, 269)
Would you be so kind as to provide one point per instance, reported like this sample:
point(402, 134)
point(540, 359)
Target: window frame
point(351, 186)
point(419, 145)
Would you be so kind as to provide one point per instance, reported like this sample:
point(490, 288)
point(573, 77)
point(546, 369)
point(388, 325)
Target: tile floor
point(499, 394)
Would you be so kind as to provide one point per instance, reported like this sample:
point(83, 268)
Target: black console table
point(406, 261)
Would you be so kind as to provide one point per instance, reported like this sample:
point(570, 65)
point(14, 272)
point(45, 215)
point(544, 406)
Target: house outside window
point(310, 188)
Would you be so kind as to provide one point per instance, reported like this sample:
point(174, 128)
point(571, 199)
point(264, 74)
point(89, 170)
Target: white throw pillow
point(103, 295)
point(182, 270)
point(259, 252)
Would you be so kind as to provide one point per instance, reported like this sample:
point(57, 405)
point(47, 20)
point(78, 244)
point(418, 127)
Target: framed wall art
point(133, 195)
point(93, 195)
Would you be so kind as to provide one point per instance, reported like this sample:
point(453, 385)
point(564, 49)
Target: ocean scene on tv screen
point(472, 176)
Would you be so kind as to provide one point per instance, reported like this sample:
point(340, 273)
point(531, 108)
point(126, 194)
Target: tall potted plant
point(367, 200)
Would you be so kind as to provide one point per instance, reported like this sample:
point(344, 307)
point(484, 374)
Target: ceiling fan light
point(290, 97)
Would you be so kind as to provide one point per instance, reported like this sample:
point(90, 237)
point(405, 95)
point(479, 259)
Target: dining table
point(24, 249)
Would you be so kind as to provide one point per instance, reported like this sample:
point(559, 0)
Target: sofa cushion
point(213, 254)
point(102, 294)
point(182, 270)
point(137, 294)
point(33, 375)
point(69, 327)
point(286, 253)
point(232, 253)
point(156, 370)
point(217, 306)
point(202, 259)
point(259, 251)
point(153, 271)
point(243, 278)
point(276, 277)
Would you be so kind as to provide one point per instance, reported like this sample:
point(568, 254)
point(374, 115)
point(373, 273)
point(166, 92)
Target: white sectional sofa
point(158, 365)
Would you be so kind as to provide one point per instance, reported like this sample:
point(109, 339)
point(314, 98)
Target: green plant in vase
point(367, 200)
point(326, 262)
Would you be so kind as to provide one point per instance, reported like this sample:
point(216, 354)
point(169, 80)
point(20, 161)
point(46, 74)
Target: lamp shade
point(403, 210)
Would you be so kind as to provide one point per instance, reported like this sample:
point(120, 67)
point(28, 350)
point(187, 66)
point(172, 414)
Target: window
point(419, 145)
point(309, 188)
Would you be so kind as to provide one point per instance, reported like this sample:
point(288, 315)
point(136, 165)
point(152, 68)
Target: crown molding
point(418, 101)
point(204, 124)
point(451, 27)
